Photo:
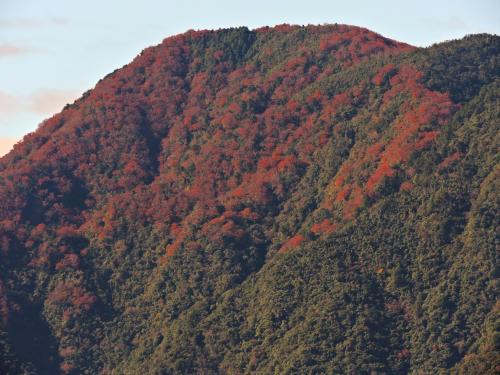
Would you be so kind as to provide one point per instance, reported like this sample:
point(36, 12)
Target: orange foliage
point(382, 171)
point(287, 163)
point(326, 226)
point(426, 138)
point(343, 194)
point(449, 160)
point(177, 148)
point(292, 243)
point(406, 186)
point(66, 367)
point(69, 261)
point(382, 73)
point(355, 201)
point(70, 292)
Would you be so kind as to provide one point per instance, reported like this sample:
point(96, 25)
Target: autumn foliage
point(292, 243)
point(182, 147)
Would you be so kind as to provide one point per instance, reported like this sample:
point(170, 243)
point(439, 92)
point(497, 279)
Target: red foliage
point(172, 248)
point(292, 243)
point(218, 54)
point(426, 138)
point(315, 97)
point(292, 105)
point(340, 179)
point(330, 41)
point(343, 194)
point(449, 160)
point(289, 162)
point(383, 170)
point(341, 100)
point(70, 293)
point(40, 229)
point(373, 152)
point(69, 261)
point(247, 213)
point(62, 232)
point(160, 143)
point(238, 192)
point(326, 226)
point(403, 354)
point(382, 73)
point(431, 108)
point(228, 121)
point(66, 367)
point(67, 351)
point(406, 186)
point(355, 201)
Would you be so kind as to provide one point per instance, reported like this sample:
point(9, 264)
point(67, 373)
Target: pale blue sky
point(51, 51)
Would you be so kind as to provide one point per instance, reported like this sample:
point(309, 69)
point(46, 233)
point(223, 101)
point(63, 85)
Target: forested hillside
point(286, 200)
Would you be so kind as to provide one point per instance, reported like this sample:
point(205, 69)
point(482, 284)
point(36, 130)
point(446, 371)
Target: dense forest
point(286, 200)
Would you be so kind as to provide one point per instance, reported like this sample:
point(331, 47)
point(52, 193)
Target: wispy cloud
point(8, 50)
point(20, 114)
point(47, 102)
point(42, 102)
point(9, 104)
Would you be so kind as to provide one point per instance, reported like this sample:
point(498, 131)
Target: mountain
point(283, 200)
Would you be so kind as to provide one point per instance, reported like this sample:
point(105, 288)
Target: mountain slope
point(284, 200)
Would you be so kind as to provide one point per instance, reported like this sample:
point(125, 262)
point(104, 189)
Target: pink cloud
point(43, 102)
point(21, 113)
point(6, 144)
point(9, 103)
point(7, 49)
point(47, 102)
